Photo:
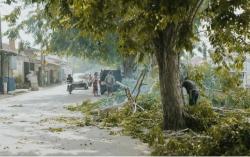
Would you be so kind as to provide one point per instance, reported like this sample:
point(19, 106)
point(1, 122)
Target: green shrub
point(239, 98)
point(201, 116)
point(149, 101)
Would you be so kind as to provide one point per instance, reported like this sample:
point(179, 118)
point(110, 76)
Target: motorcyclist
point(69, 81)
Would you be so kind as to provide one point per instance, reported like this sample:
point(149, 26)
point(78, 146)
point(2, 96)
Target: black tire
point(86, 86)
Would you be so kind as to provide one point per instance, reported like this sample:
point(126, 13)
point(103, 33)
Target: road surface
point(26, 129)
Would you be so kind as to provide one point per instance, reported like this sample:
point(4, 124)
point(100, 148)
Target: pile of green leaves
point(210, 133)
point(140, 124)
point(86, 106)
point(201, 117)
point(226, 133)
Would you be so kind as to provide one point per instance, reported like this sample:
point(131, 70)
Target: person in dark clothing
point(95, 84)
point(191, 90)
point(69, 79)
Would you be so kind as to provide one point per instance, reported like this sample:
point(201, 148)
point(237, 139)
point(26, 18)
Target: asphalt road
point(26, 121)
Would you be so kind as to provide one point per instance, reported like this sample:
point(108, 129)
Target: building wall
point(19, 71)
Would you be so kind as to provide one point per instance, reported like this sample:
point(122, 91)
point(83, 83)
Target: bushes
point(200, 117)
point(86, 106)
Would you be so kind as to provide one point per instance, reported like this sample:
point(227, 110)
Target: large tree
point(164, 28)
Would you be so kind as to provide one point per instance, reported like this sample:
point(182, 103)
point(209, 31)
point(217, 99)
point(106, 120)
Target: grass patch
point(55, 129)
point(71, 121)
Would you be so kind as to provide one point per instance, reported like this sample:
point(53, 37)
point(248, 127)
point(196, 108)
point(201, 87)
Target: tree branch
point(193, 14)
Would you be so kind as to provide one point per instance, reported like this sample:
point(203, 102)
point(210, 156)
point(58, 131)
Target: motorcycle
point(69, 87)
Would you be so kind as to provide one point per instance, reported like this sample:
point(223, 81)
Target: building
point(7, 67)
point(50, 69)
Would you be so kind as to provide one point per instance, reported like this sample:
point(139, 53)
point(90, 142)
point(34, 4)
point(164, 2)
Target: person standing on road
point(95, 84)
point(110, 81)
point(90, 81)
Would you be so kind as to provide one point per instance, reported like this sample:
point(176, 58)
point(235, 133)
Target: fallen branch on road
point(130, 98)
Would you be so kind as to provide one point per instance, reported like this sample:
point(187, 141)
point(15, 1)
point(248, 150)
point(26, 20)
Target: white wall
point(19, 68)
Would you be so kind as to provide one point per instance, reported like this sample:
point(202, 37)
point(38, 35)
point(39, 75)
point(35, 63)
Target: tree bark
point(169, 80)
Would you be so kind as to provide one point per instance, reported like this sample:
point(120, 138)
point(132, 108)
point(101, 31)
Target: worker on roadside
point(110, 81)
point(191, 90)
point(95, 84)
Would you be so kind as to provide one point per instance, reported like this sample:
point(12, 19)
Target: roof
point(7, 50)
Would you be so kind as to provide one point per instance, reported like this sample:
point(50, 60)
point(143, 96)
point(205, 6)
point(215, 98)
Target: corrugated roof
point(7, 50)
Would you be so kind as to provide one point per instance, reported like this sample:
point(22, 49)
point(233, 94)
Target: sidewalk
point(22, 91)
point(13, 93)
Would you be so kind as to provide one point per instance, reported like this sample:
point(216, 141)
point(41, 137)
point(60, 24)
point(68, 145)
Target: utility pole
point(1, 42)
point(42, 69)
point(2, 53)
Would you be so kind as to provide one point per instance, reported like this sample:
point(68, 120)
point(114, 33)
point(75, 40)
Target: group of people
point(95, 82)
point(189, 85)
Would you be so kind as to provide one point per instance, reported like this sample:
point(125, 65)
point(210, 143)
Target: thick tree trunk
point(168, 62)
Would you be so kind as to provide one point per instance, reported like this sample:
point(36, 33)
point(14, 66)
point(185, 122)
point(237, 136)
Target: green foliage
point(220, 86)
point(69, 121)
point(185, 145)
point(239, 98)
point(86, 106)
point(227, 31)
point(229, 135)
point(200, 117)
point(69, 42)
point(228, 80)
point(149, 101)
point(216, 133)
point(55, 129)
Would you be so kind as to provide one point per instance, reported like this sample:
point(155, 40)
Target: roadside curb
point(15, 93)
point(23, 91)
